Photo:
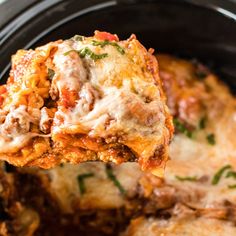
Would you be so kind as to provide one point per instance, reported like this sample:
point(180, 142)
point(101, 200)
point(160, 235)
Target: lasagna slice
point(84, 99)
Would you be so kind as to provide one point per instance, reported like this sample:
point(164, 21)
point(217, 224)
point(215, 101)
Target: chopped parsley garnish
point(81, 178)
point(219, 174)
point(186, 178)
point(231, 174)
point(68, 52)
point(202, 123)
point(51, 73)
point(87, 52)
point(181, 128)
point(78, 38)
point(106, 42)
point(232, 186)
point(211, 139)
point(113, 178)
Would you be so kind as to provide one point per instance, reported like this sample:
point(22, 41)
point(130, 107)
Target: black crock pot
point(200, 29)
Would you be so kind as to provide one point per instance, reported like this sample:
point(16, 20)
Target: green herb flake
point(106, 42)
point(102, 44)
point(211, 139)
point(87, 52)
point(181, 128)
point(81, 178)
point(113, 178)
point(232, 186)
point(51, 73)
point(78, 38)
point(219, 173)
point(186, 178)
point(68, 52)
point(202, 123)
point(231, 174)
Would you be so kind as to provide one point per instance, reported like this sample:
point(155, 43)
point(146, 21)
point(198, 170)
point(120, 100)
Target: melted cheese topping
point(69, 68)
point(64, 183)
point(175, 227)
point(116, 87)
point(15, 129)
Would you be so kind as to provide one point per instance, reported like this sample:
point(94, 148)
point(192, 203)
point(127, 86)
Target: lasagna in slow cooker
point(196, 197)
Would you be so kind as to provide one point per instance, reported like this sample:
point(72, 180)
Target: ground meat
point(17, 122)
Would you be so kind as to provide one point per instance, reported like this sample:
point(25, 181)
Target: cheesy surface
point(86, 98)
